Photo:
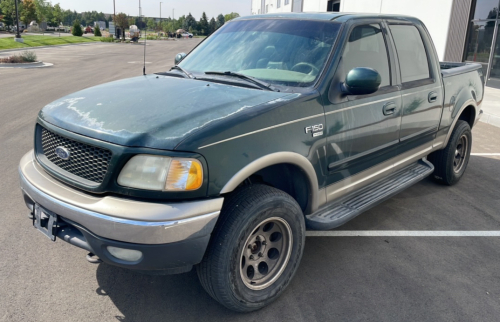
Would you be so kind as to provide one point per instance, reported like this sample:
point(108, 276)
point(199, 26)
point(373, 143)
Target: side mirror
point(361, 81)
point(179, 57)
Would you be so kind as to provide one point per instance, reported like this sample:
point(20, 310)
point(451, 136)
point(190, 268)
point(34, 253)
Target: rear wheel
point(255, 249)
point(451, 162)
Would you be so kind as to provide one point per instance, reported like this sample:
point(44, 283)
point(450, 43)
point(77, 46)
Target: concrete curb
point(4, 65)
point(51, 46)
point(38, 64)
point(490, 119)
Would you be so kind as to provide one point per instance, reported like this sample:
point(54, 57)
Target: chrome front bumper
point(117, 218)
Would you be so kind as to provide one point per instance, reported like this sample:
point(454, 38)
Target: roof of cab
point(337, 16)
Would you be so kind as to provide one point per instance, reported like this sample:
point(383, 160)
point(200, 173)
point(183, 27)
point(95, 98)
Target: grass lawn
point(36, 41)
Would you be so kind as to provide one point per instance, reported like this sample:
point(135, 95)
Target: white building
point(274, 6)
point(101, 24)
point(462, 30)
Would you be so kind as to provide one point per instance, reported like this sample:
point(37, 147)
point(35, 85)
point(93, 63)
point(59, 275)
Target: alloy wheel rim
point(460, 153)
point(266, 253)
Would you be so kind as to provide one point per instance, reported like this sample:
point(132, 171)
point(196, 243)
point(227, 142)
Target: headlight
point(152, 172)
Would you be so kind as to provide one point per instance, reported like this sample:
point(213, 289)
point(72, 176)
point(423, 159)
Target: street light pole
point(17, 21)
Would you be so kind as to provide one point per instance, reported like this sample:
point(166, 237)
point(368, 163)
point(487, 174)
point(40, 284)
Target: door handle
point(389, 108)
point(433, 96)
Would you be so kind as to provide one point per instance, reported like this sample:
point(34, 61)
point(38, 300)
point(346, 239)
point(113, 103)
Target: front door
point(363, 130)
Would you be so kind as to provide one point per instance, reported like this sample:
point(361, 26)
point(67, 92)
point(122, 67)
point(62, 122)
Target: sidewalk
point(491, 106)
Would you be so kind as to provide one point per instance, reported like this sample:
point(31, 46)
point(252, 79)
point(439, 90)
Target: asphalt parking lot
point(367, 278)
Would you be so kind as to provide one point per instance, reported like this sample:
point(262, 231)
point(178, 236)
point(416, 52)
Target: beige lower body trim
point(362, 179)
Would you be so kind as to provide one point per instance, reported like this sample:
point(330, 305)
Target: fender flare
point(469, 102)
point(279, 158)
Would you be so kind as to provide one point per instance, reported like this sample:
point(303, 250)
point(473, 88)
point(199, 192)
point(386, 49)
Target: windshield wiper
point(188, 74)
point(250, 79)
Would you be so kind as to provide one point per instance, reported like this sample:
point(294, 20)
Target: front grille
point(86, 161)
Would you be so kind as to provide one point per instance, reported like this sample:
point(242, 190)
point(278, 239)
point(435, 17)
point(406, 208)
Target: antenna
point(145, 39)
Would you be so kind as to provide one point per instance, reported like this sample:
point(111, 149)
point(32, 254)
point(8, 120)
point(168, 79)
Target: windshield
point(278, 51)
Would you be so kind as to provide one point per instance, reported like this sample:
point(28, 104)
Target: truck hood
point(151, 111)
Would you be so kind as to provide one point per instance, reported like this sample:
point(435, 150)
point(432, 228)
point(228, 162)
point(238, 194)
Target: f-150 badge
point(316, 130)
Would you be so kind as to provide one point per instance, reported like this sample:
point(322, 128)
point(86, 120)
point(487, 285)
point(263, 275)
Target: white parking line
point(485, 154)
point(403, 233)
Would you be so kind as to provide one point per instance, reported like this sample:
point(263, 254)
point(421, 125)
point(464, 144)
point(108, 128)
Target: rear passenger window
point(366, 48)
point(411, 52)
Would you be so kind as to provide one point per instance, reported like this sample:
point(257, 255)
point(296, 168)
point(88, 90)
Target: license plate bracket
point(46, 222)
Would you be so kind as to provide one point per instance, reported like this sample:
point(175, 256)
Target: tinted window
point(366, 48)
point(486, 9)
point(411, 53)
point(279, 51)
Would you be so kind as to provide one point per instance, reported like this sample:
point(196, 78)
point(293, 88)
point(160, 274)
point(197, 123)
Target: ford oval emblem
point(62, 152)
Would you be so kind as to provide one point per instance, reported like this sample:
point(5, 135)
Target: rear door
point(421, 88)
point(363, 130)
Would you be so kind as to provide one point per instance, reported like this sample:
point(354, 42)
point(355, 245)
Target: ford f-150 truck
point(272, 124)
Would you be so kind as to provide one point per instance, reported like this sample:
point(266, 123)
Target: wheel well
point(468, 115)
point(286, 177)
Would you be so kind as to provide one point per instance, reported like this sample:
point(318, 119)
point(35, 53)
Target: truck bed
point(449, 69)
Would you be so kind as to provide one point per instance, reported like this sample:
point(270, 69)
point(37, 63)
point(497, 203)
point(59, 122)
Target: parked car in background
point(180, 33)
point(2, 26)
point(88, 30)
point(272, 124)
point(22, 28)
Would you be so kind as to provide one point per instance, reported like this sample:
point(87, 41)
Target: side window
point(366, 48)
point(411, 53)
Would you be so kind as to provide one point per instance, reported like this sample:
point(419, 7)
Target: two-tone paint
point(238, 132)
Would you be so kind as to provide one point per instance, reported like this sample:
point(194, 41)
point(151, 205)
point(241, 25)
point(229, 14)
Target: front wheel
point(255, 248)
point(451, 162)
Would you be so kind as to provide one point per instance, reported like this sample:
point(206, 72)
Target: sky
point(151, 8)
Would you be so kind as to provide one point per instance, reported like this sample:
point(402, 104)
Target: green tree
point(9, 12)
point(212, 25)
point(28, 14)
point(43, 10)
point(151, 24)
point(97, 31)
point(189, 23)
point(203, 24)
point(231, 16)
point(220, 20)
point(77, 29)
point(131, 21)
point(57, 15)
point(122, 22)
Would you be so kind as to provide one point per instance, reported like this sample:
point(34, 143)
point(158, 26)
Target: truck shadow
point(354, 277)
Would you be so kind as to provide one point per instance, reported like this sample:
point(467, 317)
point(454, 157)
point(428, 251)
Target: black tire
point(221, 271)
point(450, 167)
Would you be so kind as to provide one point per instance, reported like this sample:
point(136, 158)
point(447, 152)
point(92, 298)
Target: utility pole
point(173, 16)
point(160, 15)
point(17, 21)
point(114, 16)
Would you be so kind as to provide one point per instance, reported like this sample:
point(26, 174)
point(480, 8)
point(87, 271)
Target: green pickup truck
point(272, 124)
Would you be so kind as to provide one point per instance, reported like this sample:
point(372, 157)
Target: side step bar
point(349, 207)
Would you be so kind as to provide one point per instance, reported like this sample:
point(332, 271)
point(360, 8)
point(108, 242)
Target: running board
point(349, 207)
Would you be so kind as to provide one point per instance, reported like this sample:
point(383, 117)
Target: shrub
point(12, 59)
point(107, 39)
point(25, 57)
point(77, 29)
point(29, 56)
point(97, 31)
